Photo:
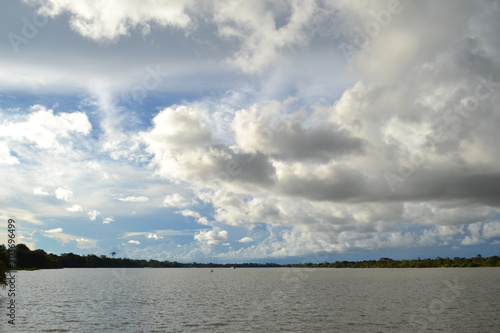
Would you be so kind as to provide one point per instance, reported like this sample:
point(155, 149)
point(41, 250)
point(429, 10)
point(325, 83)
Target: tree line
point(39, 259)
point(477, 261)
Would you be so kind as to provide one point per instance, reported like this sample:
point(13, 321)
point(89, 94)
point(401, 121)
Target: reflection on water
point(257, 300)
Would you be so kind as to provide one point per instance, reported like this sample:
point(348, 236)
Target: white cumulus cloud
point(215, 237)
point(187, 212)
point(134, 199)
point(93, 214)
point(108, 219)
point(491, 229)
point(40, 191)
point(75, 208)
point(46, 129)
point(64, 194)
point(176, 200)
point(5, 155)
point(56, 230)
point(246, 240)
point(153, 236)
point(106, 21)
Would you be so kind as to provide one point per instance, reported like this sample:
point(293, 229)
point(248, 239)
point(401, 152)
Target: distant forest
point(39, 259)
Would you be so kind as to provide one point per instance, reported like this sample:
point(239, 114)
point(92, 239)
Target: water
point(256, 300)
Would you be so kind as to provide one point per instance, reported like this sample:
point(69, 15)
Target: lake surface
point(256, 300)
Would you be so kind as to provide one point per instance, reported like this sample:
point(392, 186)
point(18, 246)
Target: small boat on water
point(210, 270)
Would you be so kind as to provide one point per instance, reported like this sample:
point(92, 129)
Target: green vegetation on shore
point(3, 270)
point(27, 259)
point(477, 261)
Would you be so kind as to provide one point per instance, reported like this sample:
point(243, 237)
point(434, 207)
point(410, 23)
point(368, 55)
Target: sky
point(251, 131)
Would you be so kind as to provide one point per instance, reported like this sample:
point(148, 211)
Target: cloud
point(85, 243)
point(471, 240)
point(109, 21)
point(75, 208)
point(153, 236)
point(491, 229)
point(40, 191)
point(308, 170)
point(64, 194)
point(246, 240)
point(134, 199)
point(95, 166)
point(178, 127)
point(213, 237)
point(265, 129)
point(5, 156)
point(199, 219)
point(203, 220)
point(183, 149)
point(255, 25)
point(381, 59)
point(46, 129)
point(187, 212)
point(263, 31)
point(477, 235)
point(93, 214)
point(158, 234)
point(176, 200)
point(54, 230)
point(81, 242)
point(107, 220)
point(134, 242)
